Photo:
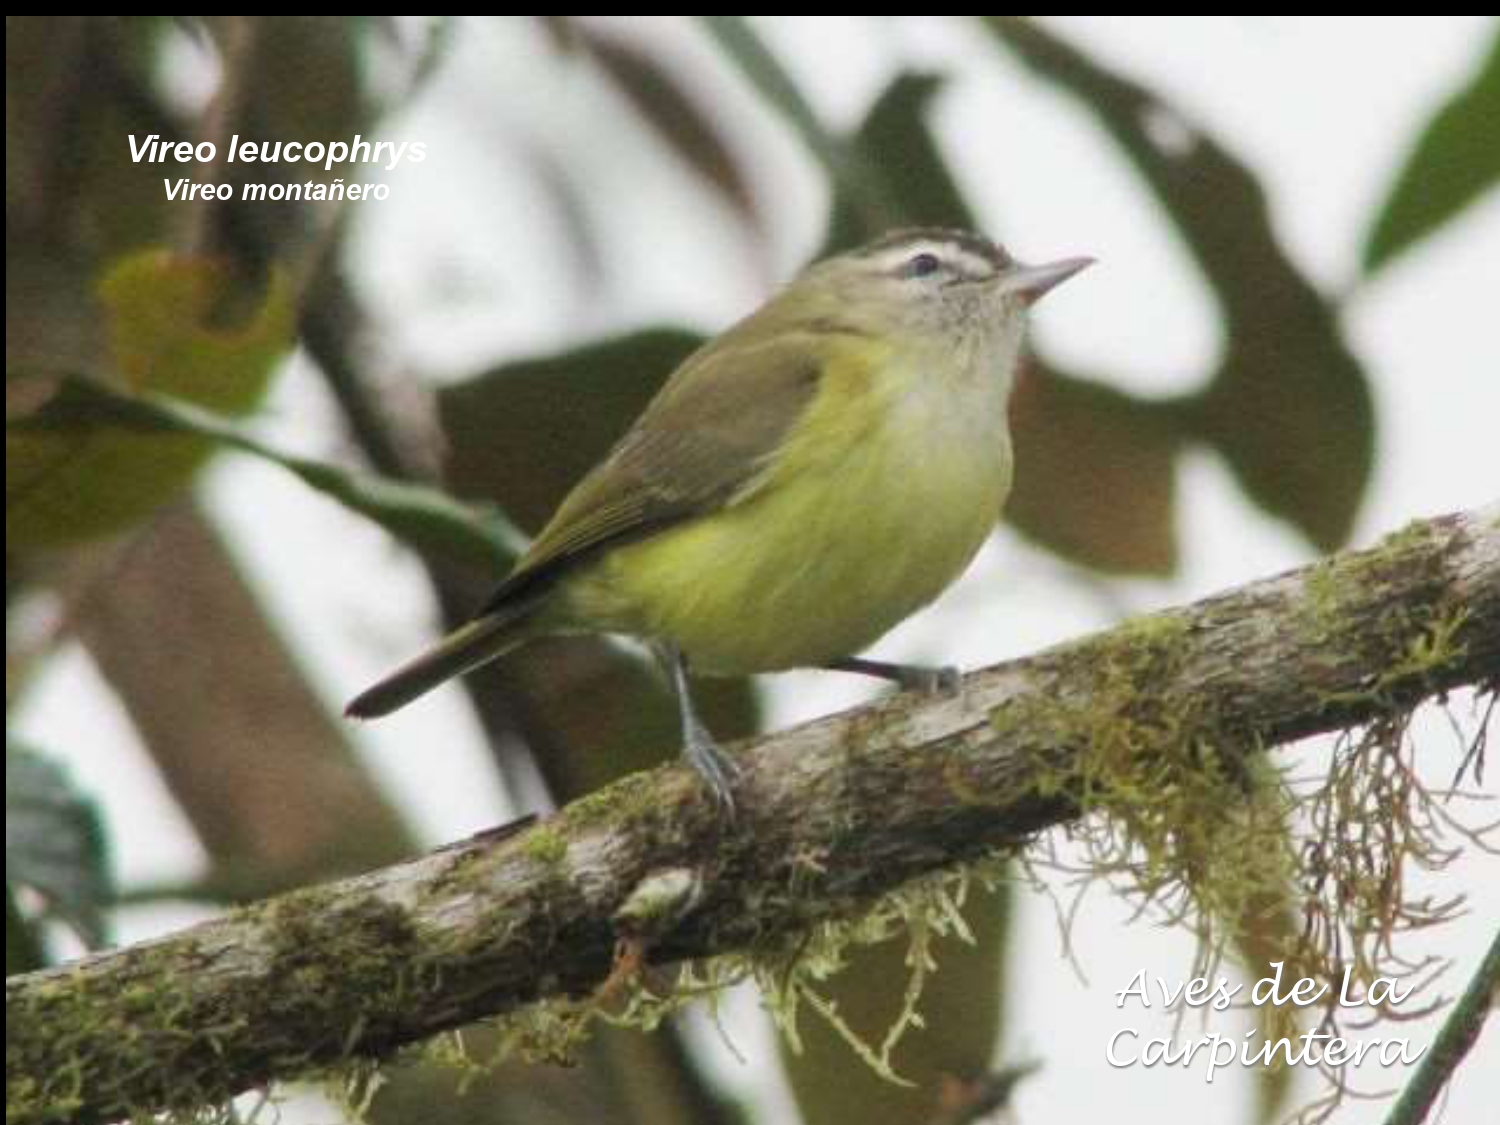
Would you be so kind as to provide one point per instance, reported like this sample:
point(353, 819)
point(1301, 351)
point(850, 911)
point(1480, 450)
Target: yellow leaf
point(166, 335)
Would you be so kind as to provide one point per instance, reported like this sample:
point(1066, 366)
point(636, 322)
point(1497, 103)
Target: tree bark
point(831, 815)
point(266, 776)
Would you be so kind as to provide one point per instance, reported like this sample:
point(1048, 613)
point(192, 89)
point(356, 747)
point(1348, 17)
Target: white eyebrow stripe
point(960, 257)
point(971, 264)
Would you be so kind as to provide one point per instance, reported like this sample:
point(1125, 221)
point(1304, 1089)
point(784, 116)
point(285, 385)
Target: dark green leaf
point(524, 433)
point(897, 145)
point(165, 337)
point(1290, 407)
point(742, 46)
point(1454, 161)
point(1095, 473)
point(424, 518)
point(54, 842)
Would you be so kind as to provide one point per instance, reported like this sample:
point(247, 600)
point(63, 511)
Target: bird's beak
point(1030, 283)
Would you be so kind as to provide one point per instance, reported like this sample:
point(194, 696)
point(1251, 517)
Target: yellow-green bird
point(801, 484)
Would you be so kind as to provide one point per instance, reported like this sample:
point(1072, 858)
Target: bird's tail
point(462, 650)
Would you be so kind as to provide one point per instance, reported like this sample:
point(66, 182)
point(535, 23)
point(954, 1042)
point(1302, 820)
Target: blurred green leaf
point(1302, 445)
point(739, 42)
point(54, 842)
point(1095, 473)
point(849, 171)
point(1454, 161)
point(1290, 407)
point(524, 433)
point(961, 1006)
point(898, 146)
point(66, 486)
point(678, 118)
point(896, 138)
point(424, 518)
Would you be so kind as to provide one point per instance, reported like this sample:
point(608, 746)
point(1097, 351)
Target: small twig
point(1459, 1033)
point(847, 167)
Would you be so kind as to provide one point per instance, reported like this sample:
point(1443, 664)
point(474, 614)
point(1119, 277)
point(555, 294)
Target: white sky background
point(460, 268)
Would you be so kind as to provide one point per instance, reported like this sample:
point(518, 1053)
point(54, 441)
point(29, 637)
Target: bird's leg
point(910, 677)
point(698, 746)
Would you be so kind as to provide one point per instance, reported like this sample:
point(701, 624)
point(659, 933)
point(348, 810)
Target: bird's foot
point(719, 771)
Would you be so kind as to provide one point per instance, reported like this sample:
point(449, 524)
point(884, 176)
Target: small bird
point(801, 484)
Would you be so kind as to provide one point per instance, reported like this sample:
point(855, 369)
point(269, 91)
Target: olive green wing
point(704, 438)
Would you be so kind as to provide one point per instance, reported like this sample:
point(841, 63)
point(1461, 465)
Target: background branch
point(1456, 1039)
point(833, 814)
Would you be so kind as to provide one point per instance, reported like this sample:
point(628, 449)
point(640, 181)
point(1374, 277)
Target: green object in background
point(65, 487)
point(1289, 407)
point(425, 519)
point(524, 433)
point(1454, 161)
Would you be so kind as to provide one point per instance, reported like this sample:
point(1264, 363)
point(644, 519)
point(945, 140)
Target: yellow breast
point(877, 500)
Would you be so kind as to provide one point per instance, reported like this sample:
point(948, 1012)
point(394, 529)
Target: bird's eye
point(922, 265)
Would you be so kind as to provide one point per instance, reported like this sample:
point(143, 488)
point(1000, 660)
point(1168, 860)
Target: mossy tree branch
point(832, 815)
